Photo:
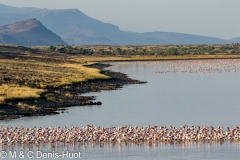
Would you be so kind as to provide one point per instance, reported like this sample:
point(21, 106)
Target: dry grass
point(8, 91)
point(28, 75)
point(24, 106)
point(79, 73)
point(39, 74)
point(68, 95)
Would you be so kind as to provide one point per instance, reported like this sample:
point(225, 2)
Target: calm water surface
point(167, 99)
point(134, 152)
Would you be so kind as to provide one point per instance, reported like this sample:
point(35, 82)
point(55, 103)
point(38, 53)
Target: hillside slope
point(29, 33)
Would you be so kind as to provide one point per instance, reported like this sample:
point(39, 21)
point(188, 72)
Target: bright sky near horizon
point(216, 18)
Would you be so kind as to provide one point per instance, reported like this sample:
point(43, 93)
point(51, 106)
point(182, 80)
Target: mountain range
point(75, 27)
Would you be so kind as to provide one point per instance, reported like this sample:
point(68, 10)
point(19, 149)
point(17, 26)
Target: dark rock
point(99, 103)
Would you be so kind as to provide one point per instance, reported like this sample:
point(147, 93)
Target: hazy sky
point(217, 18)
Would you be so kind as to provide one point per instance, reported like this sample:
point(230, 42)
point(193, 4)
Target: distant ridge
point(8, 9)
point(29, 33)
point(235, 40)
point(75, 27)
point(174, 38)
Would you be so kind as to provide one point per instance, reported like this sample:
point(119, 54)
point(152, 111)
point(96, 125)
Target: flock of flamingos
point(10, 136)
point(198, 66)
point(191, 66)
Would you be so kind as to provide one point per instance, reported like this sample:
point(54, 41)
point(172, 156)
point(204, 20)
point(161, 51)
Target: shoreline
point(117, 81)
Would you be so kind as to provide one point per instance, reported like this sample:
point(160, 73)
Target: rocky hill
point(29, 33)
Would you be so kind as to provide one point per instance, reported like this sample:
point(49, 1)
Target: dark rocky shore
point(58, 101)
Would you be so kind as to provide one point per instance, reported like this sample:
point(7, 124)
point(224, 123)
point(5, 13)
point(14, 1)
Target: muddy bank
point(56, 100)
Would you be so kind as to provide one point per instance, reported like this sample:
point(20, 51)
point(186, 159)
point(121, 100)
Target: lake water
point(177, 93)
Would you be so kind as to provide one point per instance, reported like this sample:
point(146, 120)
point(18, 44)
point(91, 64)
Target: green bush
point(3, 112)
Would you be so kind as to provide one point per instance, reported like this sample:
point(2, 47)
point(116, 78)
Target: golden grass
point(43, 74)
point(24, 106)
point(80, 73)
point(39, 71)
point(68, 95)
point(9, 91)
